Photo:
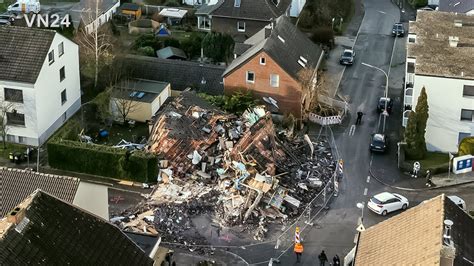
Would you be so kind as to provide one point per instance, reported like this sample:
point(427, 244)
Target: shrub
point(172, 42)
point(147, 40)
point(323, 35)
point(147, 50)
point(192, 45)
point(218, 46)
point(466, 146)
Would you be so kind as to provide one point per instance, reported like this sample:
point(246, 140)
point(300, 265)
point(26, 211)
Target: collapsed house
point(235, 167)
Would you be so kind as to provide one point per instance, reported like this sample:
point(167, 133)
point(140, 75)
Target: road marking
point(352, 130)
point(368, 179)
point(365, 191)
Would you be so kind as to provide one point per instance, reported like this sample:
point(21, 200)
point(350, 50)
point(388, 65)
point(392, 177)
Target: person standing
point(359, 117)
point(298, 251)
point(336, 261)
point(428, 178)
point(322, 258)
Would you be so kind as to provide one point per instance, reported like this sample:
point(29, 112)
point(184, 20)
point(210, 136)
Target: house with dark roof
point(39, 82)
point(15, 185)
point(44, 229)
point(203, 14)
point(457, 6)
point(435, 232)
point(275, 65)
point(92, 13)
point(180, 74)
point(138, 99)
point(243, 18)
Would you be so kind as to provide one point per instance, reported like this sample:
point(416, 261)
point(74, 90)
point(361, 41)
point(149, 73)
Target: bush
point(218, 46)
point(323, 35)
point(102, 160)
point(418, 3)
point(147, 50)
point(192, 45)
point(172, 42)
point(147, 40)
point(466, 146)
point(236, 103)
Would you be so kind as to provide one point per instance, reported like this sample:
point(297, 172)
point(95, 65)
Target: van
point(24, 6)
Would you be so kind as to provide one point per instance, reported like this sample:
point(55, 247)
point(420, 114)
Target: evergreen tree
point(422, 115)
point(411, 137)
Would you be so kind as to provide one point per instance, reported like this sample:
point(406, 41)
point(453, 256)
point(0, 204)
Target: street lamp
point(360, 205)
point(385, 113)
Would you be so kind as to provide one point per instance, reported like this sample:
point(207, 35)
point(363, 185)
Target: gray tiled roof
point(287, 53)
point(23, 52)
point(457, 6)
point(53, 232)
point(206, 9)
point(16, 185)
point(171, 51)
point(252, 9)
point(180, 74)
point(85, 10)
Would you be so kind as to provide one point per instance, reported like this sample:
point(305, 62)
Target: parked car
point(458, 201)
point(382, 102)
point(347, 57)
point(386, 202)
point(378, 143)
point(4, 22)
point(8, 17)
point(398, 30)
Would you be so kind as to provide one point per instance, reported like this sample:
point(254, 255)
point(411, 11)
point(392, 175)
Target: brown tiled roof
point(22, 52)
point(413, 237)
point(16, 185)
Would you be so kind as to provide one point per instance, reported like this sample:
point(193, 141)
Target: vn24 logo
point(48, 21)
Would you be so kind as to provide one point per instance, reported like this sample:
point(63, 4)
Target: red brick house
point(271, 64)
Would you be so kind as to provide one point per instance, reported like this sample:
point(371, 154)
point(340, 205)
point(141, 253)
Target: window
point(61, 49)
point(13, 95)
point(468, 91)
point(262, 60)
point(237, 3)
point(51, 57)
point(250, 77)
point(62, 74)
point(65, 116)
point(63, 96)
point(10, 138)
point(274, 80)
point(463, 135)
point(15, 118)
point(466, 115)
point(21, 139)
point(241, 26)
point(411, 67)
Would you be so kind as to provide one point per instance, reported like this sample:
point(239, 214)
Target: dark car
point(398, 30)
point(384, 101)
point(378, 143)
point(347, 57)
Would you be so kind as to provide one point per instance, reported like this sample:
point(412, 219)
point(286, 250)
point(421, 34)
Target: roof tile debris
point(235, 168)
point(432, 50)
point(46, 230)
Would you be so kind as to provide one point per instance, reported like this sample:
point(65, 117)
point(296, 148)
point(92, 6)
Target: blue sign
point(464, 164)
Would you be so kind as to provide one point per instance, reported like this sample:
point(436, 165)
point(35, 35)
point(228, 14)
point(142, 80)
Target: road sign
point(360, 228)
point(341, 166)
point(297, 235)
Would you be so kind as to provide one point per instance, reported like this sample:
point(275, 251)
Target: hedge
point(102, 160)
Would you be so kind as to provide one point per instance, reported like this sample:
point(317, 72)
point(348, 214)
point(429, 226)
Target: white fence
point(325, 120)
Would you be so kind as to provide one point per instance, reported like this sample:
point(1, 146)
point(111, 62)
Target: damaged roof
point(286, 44)
point(179, 73)
point(46, 230)
point(417, 234)
point(252, 9)
point(432, 51)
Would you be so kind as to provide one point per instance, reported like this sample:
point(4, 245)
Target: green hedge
point(102, 160)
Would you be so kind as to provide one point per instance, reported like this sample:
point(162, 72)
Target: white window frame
point(272, 84)
point(263, 61)
point(238, 26)
point(21, 139)
point(61, 49)
point(247, 77)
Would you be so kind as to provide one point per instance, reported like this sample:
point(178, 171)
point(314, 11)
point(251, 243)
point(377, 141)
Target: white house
point(440, 51)
point(296, 7)
point(84, 13)
point(39, 82)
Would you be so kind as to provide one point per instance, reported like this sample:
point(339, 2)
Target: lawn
point(3, 7)
point(183, 35)
point(11, 147)
point(434, 160)
point(118, 132)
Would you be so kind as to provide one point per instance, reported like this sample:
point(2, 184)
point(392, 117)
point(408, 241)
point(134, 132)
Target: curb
point(416, 189)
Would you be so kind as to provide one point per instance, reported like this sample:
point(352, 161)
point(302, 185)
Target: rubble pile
point(235, 168)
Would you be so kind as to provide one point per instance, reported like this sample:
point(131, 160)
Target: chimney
point(447, 232)
point(457, 23)
point(16, 215)
point(453, 41)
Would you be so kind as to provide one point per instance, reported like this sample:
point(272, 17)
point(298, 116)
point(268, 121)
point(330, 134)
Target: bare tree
point(124, 98)
point(98, 43)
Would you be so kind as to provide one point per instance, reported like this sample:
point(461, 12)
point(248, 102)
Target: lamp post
point(361, 206)
point(385, 113)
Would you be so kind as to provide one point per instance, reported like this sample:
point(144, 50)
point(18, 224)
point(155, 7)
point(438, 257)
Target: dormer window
point(236, 3)
point(262, 60)
point(240, 26)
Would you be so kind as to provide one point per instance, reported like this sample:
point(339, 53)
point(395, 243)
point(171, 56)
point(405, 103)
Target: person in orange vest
point(298, 251)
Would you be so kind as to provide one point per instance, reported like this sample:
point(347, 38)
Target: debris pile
point(234, 167)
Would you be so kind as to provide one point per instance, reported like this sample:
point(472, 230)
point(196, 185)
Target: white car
point(458, 201)
point(386, 202)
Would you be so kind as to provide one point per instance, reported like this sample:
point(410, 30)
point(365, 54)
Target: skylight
point(237, 3)
point(281, 39)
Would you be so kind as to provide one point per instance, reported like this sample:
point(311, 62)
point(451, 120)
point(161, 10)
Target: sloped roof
point(85, 10)
point(53, 232)
point(206, 9)
point(415, 237)
point(179, 73)
point(16, 185)
point(170, 51)
point(286, 45)
point(130, 6)
point(456, 6)
point(252, 9)
point(22, 52)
